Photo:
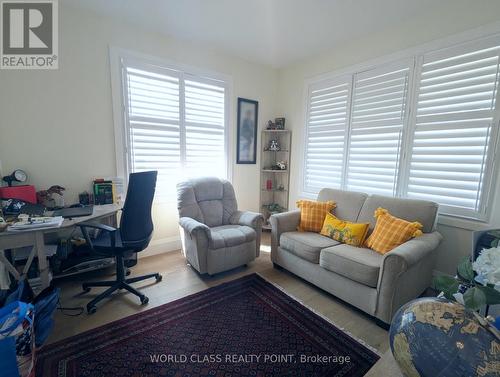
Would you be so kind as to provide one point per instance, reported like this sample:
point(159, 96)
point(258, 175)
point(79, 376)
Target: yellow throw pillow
point(391, 232)
point(344, 231)
point(312, 214)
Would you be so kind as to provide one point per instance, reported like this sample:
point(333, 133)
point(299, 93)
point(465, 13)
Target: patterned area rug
point(246, 327)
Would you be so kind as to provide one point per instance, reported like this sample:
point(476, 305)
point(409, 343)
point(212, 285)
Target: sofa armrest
point(281, 223)
point(191, 226)
point(414, 250)
point(251, 219)
point(405, 273)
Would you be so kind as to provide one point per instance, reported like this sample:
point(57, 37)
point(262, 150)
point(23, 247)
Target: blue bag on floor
point(17, 340)
point(45, 305)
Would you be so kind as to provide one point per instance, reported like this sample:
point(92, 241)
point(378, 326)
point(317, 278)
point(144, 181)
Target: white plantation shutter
point(455, 118)
point(205, 128)
point(426, 130)
point(153, 113)
point(327, 121)
point(175, 124)
point(378, 114)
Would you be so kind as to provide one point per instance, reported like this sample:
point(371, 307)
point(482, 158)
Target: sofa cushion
point(230, 235)
point(306, 245)
point(356, 263)
point(348, 203)
point(423, 211)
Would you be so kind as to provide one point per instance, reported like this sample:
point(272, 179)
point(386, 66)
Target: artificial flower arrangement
point(477, 283)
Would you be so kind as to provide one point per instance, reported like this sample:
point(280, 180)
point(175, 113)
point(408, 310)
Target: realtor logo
point(29, 34)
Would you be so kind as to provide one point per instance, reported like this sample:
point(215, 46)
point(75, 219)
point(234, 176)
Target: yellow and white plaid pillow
point(391, 231)
point(312, 214)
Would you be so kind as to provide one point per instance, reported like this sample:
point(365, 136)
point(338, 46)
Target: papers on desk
point(37, 223)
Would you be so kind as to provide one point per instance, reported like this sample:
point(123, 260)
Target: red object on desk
point(24, 192)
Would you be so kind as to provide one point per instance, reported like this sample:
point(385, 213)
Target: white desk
point(35, 238)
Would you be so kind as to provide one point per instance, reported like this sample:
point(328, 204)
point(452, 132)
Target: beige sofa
point(377, 284)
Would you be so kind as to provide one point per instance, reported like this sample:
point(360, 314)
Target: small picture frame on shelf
point(279, 123)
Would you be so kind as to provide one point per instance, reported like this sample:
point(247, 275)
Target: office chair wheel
point(128, 272)
point(86, 289)
point(158, 278)
point(144, 300)
point(91, 309)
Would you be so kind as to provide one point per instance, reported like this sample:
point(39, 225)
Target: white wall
point(465, 16)
point(58, 125)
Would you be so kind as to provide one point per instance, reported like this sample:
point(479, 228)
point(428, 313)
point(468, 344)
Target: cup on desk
point(3, 224)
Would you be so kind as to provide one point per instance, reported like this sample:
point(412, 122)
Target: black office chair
point(133, 236)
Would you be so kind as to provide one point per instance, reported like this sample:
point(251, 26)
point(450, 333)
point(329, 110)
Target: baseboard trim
point(161, 246)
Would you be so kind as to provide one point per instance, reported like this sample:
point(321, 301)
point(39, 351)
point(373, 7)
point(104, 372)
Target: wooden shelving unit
point(277, 194)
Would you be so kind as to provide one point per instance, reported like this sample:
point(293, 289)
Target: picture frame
point(247, 124)
point(280, 123)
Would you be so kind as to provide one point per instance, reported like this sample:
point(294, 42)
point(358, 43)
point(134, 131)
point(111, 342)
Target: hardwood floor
point(180, 280)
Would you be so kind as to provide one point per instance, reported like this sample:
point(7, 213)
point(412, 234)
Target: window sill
point(462, 223)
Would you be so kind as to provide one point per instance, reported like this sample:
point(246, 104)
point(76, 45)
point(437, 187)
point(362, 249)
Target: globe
point(433, 337)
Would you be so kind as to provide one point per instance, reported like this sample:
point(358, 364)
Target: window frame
point(478, 36)
point(119, 100)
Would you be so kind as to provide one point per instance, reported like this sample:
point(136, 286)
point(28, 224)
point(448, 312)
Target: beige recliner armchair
point(216, 236)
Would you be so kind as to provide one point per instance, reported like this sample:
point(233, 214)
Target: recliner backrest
point(208, 200)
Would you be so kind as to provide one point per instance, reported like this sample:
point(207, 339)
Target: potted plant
point(477, 283)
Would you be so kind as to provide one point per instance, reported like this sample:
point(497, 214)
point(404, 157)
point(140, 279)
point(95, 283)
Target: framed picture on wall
point(248, 111)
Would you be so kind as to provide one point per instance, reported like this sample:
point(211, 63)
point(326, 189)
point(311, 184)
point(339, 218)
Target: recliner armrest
point(251, 219)
point(191, 225)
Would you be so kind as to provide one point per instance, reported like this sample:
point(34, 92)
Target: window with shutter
point(379, 108)
point(455, 119)
point(327, 121)
point(205, 128)
point(425, 127)
point(175, 124)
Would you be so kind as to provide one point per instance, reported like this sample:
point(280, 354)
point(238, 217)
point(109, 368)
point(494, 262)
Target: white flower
point(487, 267)
point(459, 297)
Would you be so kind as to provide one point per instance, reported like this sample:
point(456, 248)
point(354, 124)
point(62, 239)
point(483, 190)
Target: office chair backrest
point(136, 224)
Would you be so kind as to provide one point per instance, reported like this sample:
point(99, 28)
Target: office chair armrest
point(95, 225)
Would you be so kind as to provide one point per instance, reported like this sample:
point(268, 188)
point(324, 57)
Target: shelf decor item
point(248, 111)
point(274, 146)
point(275, 168)
point(279, 123)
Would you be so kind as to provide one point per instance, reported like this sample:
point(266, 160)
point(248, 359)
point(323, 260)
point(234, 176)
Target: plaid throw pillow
point(391, 232)
point(312, 214)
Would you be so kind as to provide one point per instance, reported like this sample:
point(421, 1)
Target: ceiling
point(272, 32)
